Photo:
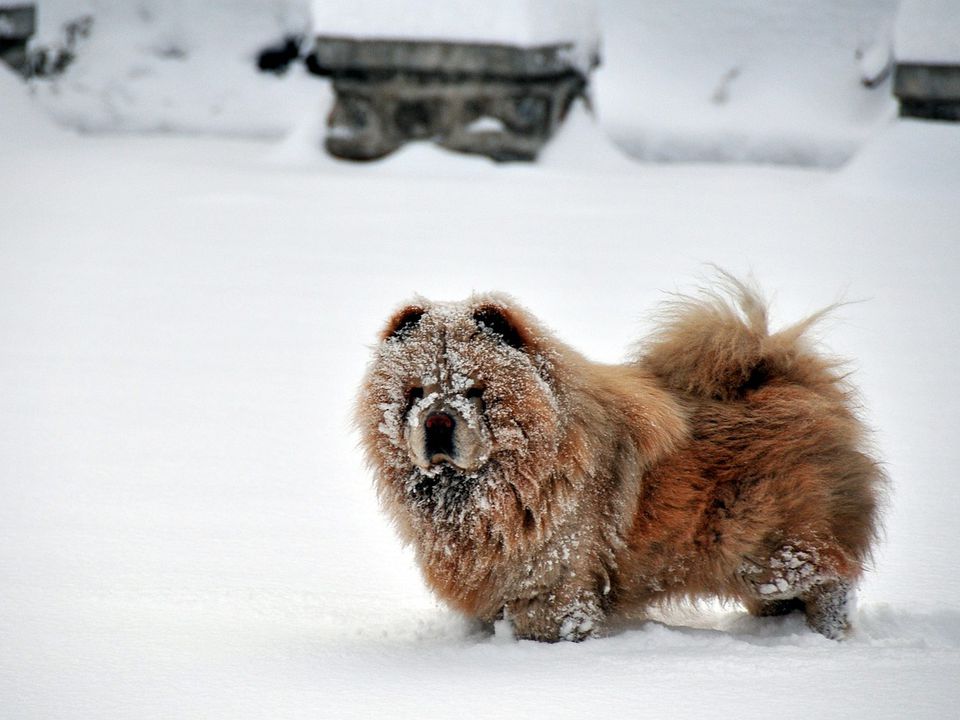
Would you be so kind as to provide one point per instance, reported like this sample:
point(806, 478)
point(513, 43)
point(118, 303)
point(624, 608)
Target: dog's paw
point(551, 618)
point(580, 623)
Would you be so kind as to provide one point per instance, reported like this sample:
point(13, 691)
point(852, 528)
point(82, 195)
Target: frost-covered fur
point(557, 492)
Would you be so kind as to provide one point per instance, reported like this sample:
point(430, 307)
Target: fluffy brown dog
point(534, 484)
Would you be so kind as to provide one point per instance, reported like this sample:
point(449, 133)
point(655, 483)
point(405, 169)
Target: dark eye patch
point(496, 321)
point(474, 392)
point(404, 322)
point(414, 394)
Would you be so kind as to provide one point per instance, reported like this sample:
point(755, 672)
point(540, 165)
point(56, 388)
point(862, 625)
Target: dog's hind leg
point(807, 576)
point(827, 606)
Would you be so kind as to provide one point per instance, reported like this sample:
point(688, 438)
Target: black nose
point(439, 431)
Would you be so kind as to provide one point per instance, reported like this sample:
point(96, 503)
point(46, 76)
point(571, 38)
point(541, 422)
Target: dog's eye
point(474, 392)
point(414, 394)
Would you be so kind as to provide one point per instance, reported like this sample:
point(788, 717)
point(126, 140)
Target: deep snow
point(186, 526)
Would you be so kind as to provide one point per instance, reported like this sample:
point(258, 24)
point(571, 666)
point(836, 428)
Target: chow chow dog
point(535, 485)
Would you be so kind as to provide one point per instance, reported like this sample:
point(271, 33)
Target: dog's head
point(459, 405)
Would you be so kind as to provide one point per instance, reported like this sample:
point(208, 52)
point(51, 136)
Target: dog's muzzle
point(439, 436)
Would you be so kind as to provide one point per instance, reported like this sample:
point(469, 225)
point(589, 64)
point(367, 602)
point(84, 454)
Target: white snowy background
point(188, 290)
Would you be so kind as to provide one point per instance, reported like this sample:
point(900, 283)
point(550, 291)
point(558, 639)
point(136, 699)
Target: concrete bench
point(484, 95)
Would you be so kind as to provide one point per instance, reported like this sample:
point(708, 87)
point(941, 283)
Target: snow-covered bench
point(927, 51)
point(494, 77)
point(17, 25)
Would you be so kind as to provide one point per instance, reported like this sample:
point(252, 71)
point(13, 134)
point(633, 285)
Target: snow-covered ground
point(186, 526)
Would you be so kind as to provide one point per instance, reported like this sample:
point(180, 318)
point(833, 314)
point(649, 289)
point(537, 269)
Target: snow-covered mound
point(22, 121)
point(580, 145)
point(928, 31)
point(743, 80)
point(509, 22)
point(906, 157)
point(174, 66)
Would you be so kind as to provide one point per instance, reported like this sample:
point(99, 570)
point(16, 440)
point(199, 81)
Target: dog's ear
point(403, 322)
point(501, 322)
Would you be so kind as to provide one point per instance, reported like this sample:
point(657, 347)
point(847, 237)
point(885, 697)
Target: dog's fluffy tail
point(717, 345)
